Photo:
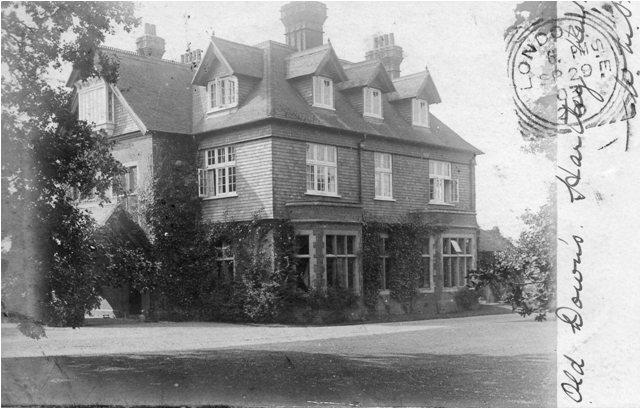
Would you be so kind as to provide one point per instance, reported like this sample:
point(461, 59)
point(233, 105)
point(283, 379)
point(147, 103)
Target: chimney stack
point(303, 21)
point(192, 57)
point(387, 52)
point(150, 45)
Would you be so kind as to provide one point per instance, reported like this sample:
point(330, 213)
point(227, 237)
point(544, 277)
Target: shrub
point(466, 298)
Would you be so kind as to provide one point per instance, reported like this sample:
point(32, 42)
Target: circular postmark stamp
point(565, 72)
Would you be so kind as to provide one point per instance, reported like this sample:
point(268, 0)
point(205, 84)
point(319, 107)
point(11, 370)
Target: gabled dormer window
point(96, 103)
point(420, 116)
point(322, 92)
point(372, 102)
point(222, 93)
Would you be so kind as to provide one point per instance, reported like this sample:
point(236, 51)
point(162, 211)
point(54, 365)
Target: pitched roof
point(237, 58)
point(314, 60)
point(158, 91)
point(275, 97)
point(367, 73)
point(418, 85)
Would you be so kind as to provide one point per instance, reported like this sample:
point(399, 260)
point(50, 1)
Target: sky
point(462, 45)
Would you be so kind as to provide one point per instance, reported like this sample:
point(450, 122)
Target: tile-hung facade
point(291, 130)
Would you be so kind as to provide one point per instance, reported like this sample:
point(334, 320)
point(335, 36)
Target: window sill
point(331, 108)
point(421, 125)
point(384, 199)
point(222, 111)
point(445, 204)
point(218, 197)
point(425, 290)
point(452, 289)
point(385, 292)
point(372, 115)
point(321, 194)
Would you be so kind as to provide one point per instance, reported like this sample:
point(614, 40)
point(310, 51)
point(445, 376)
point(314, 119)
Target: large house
point(295, 132)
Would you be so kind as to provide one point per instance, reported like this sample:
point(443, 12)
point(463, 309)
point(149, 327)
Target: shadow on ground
point(267, 377)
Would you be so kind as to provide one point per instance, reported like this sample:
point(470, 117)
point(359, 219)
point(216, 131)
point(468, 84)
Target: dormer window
point(223, 93)
point(420, 115)
point(96, 103)
point(322, 92)
point(373, 102)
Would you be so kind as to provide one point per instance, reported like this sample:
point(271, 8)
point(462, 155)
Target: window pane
point(340, 246)
point(446, 246)
point(211, 183)
point(426, 247)
point(331, 172)
point(426, 272)
point(302, 270)
point(231, 153)
point(350, 241)
point(320, 178)
point(221, 156)
point(351, 268)
point(332, 272)
point(310, 149)
point(302, 244)
point(330, 244)
point(222, 183)
point(232, 179)
point(311, 177)
point(211, 157)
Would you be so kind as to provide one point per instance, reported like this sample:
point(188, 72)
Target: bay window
point(457, 260)
point(340, 261)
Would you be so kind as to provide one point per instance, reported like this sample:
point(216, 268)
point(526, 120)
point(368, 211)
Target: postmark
point(569, 73)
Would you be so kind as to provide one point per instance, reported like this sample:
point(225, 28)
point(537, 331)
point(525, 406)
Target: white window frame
point(427, 260)
point(219, 177)
point(222, 93)
point(104, 99)
point(342, 258)
point(323, 94)
point(383, 175)
point(443, 189)
point(310, 256)
point(420, 112)
point(456, 264)
point(322, 164)
point(372, 104)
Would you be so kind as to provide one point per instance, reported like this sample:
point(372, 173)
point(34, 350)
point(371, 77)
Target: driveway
point(485, 361)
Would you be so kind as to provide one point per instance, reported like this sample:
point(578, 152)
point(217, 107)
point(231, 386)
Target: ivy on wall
point(404, 246)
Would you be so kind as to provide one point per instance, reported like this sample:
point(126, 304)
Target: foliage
point(371, 267)
point(466, 298)
point(333, 299)
point(528, 268)
point(46, 151)
point(404, 247)
point(195, 281)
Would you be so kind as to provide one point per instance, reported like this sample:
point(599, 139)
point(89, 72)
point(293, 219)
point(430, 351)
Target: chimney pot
point(150, 29)
point(385, 51)
point(303, 22)
point(149, 44)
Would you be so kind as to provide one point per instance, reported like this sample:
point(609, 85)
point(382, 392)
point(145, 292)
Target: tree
point(46, 153)
point(528, 269)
